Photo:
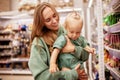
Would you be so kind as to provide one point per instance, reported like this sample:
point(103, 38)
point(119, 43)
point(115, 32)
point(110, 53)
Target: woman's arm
point(39, 66)
point(78, 51)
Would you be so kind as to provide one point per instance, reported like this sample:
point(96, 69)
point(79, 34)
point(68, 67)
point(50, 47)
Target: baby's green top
point(68, 59)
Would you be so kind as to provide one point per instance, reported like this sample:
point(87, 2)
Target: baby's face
point(74, 31)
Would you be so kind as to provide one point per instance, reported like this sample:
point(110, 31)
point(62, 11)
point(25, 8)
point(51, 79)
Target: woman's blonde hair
point(39, 29)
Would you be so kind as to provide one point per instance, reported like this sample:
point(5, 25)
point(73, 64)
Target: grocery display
point(5, 48)
point(14, 45)
point(111, 26)
point(111, 38)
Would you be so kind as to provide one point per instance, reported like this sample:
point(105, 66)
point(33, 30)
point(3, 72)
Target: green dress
point(68, 59)
point(39, 61)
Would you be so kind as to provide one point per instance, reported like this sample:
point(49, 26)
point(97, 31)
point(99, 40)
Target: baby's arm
point(58, 45)
point(53, 65)
point(89, 49)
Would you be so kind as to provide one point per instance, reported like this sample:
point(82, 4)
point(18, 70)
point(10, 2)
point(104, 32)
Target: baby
point(73, 26)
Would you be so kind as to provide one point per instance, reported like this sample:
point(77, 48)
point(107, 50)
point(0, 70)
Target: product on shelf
point(112, 18)
point(27, 5)
point(14, 45)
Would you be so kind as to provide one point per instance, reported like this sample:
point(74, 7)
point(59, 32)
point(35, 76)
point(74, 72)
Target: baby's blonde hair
point(74, 16)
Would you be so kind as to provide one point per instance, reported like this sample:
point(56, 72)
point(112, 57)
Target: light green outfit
point(39, 61)
point(68, 59)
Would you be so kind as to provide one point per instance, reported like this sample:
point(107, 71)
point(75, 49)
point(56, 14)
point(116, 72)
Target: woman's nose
point(54, 20)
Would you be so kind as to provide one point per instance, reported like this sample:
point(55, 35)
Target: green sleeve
point(61, 30)
point(60, 42)
point(38, 65)
point(83, 41)
point(80, 53)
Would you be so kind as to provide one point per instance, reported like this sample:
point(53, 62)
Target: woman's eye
point(47, 20)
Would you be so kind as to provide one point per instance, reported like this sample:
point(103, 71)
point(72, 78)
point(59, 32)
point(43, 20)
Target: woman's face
point(51, 19)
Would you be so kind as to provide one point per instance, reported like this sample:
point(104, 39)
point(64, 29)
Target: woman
point(44, 32)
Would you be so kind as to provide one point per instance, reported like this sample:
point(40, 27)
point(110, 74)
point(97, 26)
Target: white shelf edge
point(113, 70)
point(69, 10)
point(19, 59)
point(108, 48)
point(15, 71)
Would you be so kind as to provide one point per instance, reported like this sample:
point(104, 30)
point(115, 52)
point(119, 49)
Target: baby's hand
point(90, 50)
point(93, 50)
point(53, 68)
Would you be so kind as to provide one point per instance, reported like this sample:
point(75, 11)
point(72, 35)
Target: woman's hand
point(81, 73)
point(65, 69)
point(69, 47)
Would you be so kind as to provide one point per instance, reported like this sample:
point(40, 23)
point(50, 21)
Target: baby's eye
point(54, 15)
point(78, 32)
point(72, 32)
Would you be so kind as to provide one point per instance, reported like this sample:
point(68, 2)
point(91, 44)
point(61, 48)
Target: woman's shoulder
point(62, 37)
point(38, 41)
point(61, 30)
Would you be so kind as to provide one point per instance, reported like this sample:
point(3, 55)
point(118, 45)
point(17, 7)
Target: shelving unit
point(108, 37)
point(5, 48)
point(112, 38)
point(16, 67)
point(15, 71)
point(18, 35)
point(114, 72)
point(94, 21)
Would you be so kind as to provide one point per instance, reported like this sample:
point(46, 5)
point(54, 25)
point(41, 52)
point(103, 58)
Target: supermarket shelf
point(19, 59)
point(114, 28)
point(106, 28)
point(15, 71)
point(17, 14)
point(113, 52)
point(5, 39)
point(114, 72)
point(60, 10)
point(14, 15)
point(14, 60)
point(5, 62)
point(5, 32)
point(5, 47)
point(68, 10)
